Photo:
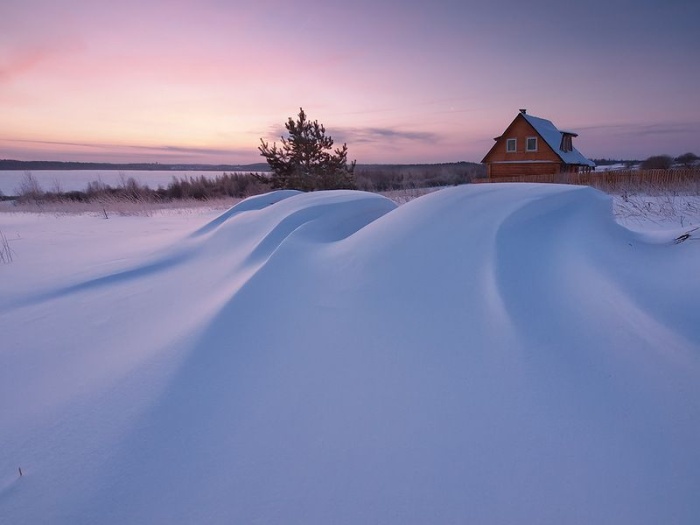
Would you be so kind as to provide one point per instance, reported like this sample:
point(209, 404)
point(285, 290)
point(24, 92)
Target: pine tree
point(306, 159)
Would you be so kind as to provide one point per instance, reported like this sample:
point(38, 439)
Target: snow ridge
point(486, 354)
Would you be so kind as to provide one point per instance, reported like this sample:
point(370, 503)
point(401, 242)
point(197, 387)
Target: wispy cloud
point(373, 134)
point(56, 143)
point(368, 135)
point(646, 129)
point(130, 149)
point(159, 148)
point(21, 61)
point(189, 150)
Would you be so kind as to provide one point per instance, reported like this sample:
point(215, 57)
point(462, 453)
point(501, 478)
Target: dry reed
point(686, 181)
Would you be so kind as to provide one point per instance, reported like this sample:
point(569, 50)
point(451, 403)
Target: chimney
point(523, 111)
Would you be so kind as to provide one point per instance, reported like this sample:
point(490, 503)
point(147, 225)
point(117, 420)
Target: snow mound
point(482, 354)
point(256, 202)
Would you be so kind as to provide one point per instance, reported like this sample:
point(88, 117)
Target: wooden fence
point(686, 179)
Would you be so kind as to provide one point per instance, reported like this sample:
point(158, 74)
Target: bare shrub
point(237, 185)
point(657, 162)
point(56, 187)
point(29, 189)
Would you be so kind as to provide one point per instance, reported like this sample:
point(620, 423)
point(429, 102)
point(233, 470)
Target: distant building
point(534, 146)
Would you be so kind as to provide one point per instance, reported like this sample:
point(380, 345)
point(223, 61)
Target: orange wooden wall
point(520, 129)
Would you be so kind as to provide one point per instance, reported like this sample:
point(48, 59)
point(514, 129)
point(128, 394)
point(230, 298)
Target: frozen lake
point(77, 180)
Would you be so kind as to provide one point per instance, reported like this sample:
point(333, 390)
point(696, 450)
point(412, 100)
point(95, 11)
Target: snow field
point(482, 354)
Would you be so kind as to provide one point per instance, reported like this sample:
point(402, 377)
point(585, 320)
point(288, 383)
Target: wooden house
point(534, 146)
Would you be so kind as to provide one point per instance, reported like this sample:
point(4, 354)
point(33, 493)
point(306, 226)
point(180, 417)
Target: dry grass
point(686, 181)
point(406, 195)
point(119, 206)
point(659, 208)
point(660, 196)
point(668, 197)
point(6, 251)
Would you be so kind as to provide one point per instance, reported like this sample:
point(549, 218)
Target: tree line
point(664, 162)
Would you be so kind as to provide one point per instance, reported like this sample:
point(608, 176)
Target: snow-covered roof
point(552, 137)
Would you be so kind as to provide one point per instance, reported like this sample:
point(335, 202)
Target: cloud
point(22, 58)
point(643, 129)
point(22, 61)
point(371, 135)
point(668, 129)
point(162, 148)
point(368, 135)
point(140, 152)
point(188, 150)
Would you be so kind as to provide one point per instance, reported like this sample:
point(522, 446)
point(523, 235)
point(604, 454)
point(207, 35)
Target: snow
point(483, 354)
point(552, 137)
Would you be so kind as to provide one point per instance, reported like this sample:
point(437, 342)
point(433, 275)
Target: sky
point(184, 81)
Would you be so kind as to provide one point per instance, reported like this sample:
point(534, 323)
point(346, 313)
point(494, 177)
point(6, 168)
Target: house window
point(511, 145)
point(531, 144)
point(566, 142)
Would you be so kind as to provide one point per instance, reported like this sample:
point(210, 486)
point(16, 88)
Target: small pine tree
point(306, 159)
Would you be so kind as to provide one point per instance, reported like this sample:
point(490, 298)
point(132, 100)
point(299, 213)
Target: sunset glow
point(400, 82)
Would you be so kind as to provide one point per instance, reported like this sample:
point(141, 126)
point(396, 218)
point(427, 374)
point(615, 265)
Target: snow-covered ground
point(662, 210)
point(483, 354)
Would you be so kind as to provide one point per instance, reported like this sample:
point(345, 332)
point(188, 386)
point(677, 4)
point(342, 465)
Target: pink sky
point(400, 82)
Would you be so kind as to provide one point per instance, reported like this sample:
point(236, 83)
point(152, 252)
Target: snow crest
point(482, 354)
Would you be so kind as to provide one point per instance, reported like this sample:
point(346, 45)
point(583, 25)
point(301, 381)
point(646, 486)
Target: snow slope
point(483, 354)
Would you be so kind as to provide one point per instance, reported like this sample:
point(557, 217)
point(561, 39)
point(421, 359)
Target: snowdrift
point(488, 354)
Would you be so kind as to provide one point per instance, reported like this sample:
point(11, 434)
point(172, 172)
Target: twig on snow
point(685, 236)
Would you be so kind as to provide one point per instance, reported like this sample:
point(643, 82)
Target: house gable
point(533, 146)
point(519, 131)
